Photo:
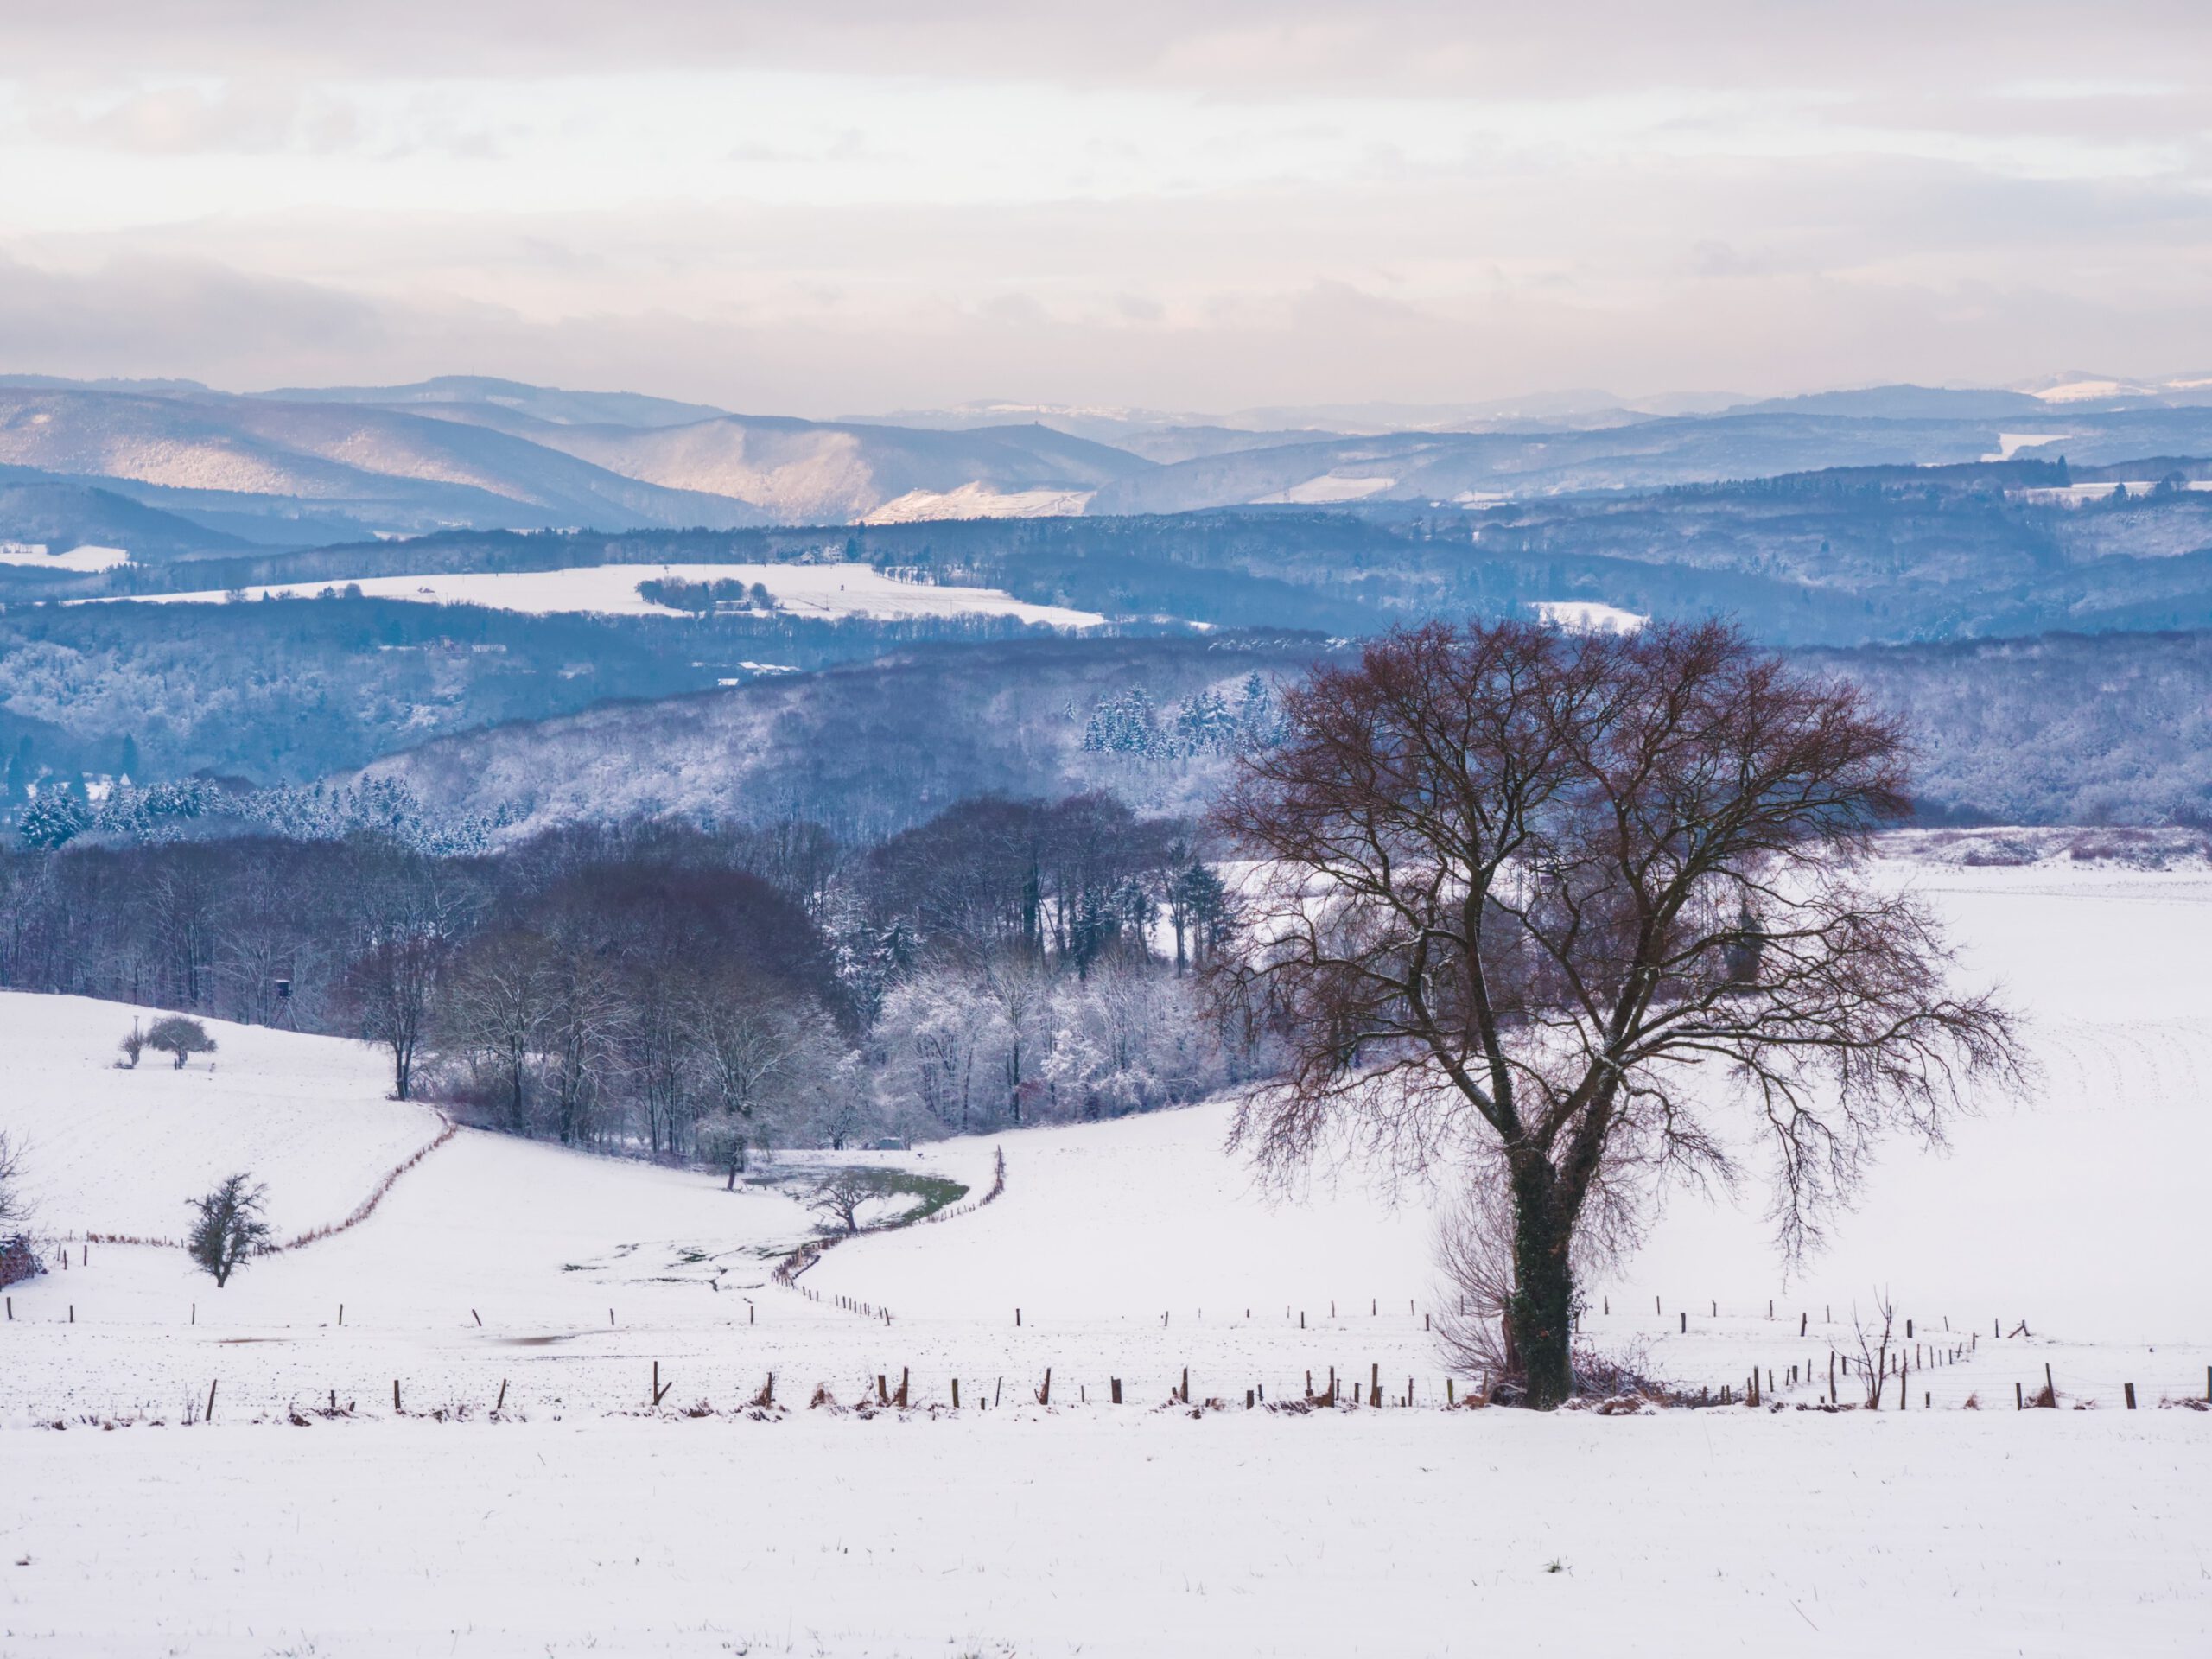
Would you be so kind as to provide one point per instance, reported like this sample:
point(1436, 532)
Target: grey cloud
point(1330, 342)
point(1476, 48)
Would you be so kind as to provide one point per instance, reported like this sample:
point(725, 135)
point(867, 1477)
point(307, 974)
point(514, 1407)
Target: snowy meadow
point(804, 1482)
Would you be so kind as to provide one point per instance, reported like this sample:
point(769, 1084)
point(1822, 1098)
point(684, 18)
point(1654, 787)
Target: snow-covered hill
point(887, 742)
point(118, 1152)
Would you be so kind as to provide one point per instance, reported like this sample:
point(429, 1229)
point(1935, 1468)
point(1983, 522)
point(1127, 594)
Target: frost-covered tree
point(55, 818)
point(229, 1230)
point(1129, 1037)
point(1124, 723)
point(938, 1034)
point(179, 1037)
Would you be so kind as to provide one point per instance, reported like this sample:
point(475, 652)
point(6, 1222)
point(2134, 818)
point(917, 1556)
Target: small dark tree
point(133, 1045)
point(723, 1142)
point(1508, 886)
point(838, 1198)
point(230, 1228)
point(14, 1209)
point(174, 1034)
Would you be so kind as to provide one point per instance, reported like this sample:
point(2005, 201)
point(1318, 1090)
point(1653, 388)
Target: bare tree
point(838, 1198)
point(1017, 987)
point(1874, 1348)
point(15, 1208)
point(583, 1017)
point(495, 1011)
point(408, 912)
point(753, 1047)
point(391, 990)
point(230, 1228)
point(1506, 880)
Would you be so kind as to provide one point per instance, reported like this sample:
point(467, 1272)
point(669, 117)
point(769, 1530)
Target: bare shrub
point(1874, 1348)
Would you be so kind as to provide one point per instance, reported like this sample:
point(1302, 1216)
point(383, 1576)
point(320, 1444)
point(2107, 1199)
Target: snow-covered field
point(1327, 490)
point(979, 501)
point(77, 560)
point(812, 590)
point(579, 1518)
point(1589, 616)
point(116, 1152)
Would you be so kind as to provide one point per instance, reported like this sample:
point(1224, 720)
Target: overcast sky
point(847, 206)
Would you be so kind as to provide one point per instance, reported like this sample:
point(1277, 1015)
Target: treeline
point(679, 992)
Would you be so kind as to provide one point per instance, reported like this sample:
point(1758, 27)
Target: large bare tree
point(1519, 895)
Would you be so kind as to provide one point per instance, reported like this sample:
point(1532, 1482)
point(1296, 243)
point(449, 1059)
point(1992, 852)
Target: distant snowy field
point(581, 1519)
point(811, 590)
point(79, 560)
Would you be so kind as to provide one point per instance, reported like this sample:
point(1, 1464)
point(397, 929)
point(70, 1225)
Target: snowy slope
point(118, 1152)
point(578, 1518)
point(2077, 1208)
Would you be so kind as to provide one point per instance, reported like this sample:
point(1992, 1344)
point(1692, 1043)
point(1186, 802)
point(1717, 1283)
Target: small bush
point(174, 1034)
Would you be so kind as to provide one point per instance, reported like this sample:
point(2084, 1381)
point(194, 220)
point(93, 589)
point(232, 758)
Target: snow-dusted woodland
point(526, 1495)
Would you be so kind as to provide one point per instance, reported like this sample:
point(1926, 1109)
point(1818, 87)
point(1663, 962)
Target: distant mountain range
point(172, 469)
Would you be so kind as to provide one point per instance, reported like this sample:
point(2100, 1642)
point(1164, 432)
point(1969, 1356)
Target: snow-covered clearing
point(79, 560)
point(1326, 491)
point(1386, 1534)
point(979, 501)
point(1589, 616)
point(811, 590)
point(579, 1518)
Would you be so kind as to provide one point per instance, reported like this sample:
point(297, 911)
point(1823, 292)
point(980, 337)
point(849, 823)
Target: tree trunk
point(1540, 1318)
